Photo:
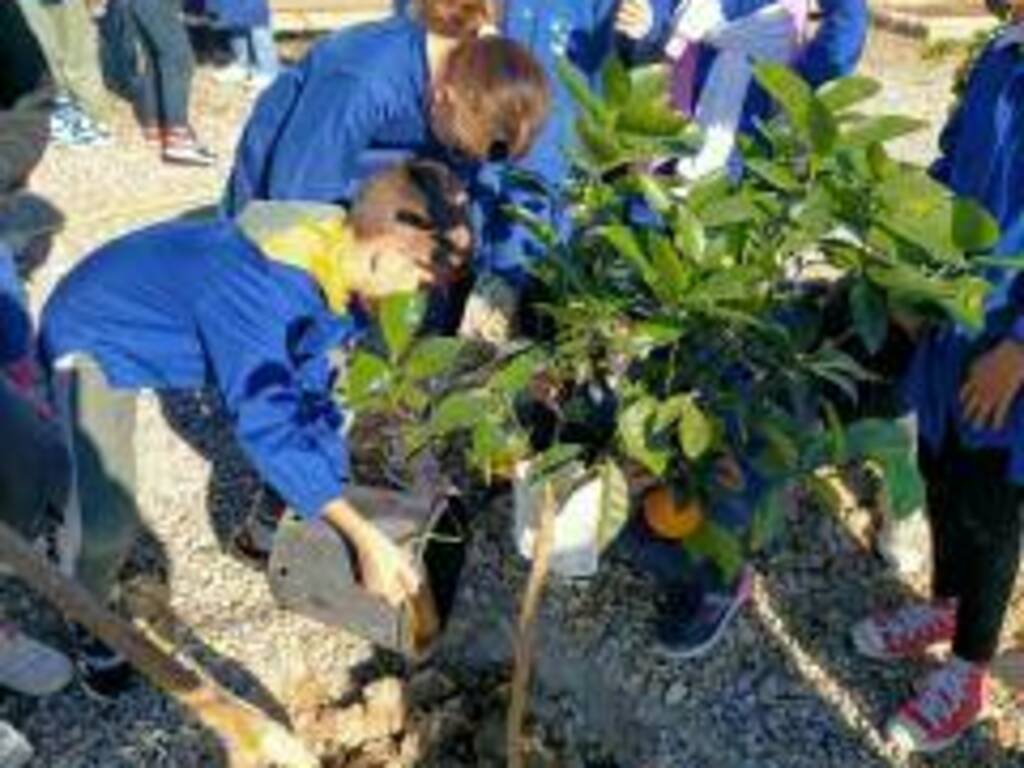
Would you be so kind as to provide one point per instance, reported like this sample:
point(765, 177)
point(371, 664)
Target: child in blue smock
point(965, 389)
point(380, 91)
point(253, 309)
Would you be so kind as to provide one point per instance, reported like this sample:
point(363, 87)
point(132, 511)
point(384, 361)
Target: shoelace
point(914, 622)
point(944, 694)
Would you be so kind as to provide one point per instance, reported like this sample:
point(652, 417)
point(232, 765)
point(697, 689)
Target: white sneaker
point(30, 667)
point(905, 545)
point(15, 751)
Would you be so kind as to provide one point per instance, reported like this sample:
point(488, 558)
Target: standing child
point(254, 314)
point(966, 392)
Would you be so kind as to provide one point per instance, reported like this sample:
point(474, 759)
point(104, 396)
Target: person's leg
point(987, 548)
point(264, 63)
point(161, 25)
point(977, 557)
point(146, 97)
point(79, 46)
point(102, 519)
point(40, 23)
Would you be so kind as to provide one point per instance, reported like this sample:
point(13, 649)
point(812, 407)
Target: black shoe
point(102, 671)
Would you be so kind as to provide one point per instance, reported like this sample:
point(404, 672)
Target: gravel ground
point(783, 690)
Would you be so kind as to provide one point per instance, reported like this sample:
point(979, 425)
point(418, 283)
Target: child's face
point(401, 261)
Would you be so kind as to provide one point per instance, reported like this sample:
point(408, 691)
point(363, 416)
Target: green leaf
point(720, 546)
point(553, 460)
point(774, 173)
point(600, 144)
point(649, 82)
point(696, 432)
point(400, 318)
point(846, 92)
point(516, 374)
point(690, 237)
point(617, 83)
point(432, 357)
point(579, 89)
point(458, 411)
point(635, 434)
point(870, 315)
point(879, 130)
point(809, 116)
point(974, 229)
point(769, 517)
point(368, 376)
point(652, 119)
point(671, 270)
point(614, 503)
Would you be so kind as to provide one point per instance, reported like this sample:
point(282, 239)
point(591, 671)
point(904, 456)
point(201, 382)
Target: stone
point(676, 693)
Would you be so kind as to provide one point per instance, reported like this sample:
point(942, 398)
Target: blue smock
point(15, 325)
point(354, 104)
point(982, 158)
point(189, 305)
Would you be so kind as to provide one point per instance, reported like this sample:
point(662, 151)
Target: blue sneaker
point(690, 627)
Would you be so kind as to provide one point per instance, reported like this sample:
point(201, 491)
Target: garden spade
point(250, 738)
point(313, 570)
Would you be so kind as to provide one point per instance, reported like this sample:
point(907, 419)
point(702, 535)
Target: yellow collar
point(312, 237)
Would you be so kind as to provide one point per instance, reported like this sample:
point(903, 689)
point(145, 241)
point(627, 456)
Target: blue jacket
point(15, 325)
point(356, 101)
point(189, 305)
point(982, 158)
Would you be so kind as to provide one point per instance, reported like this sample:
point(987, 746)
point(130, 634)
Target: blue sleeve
point(15, 325)
point(290, 434)
point(836, 47)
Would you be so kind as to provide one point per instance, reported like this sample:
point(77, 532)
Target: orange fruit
point(672, 518)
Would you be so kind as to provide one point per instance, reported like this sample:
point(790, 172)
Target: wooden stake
point(524, 640)
point(251, 739)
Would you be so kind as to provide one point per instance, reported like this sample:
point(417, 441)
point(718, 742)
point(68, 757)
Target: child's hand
point(386, 569)
point(993, 384)
point(635, 19)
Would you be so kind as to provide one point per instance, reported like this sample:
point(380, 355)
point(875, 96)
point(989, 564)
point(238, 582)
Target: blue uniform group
point(983, 159)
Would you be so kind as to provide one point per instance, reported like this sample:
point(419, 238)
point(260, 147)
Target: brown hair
point(425, 195)
point(456, 18)
point(490, 99)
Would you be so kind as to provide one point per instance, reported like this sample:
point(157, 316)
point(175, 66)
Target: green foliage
point(685, 323)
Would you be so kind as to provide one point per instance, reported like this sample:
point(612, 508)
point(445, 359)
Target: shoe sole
point(913, 748)
point(708, 645)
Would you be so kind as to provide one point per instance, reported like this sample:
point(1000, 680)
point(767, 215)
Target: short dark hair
point(422, 194)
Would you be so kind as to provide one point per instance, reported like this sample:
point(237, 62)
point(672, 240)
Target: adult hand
point(635, 19)
point(993, 384)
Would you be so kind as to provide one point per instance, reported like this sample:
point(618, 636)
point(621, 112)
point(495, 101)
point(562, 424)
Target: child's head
point(457, 18)
point(412, 229)
point(490, 99)
point(1010, 9)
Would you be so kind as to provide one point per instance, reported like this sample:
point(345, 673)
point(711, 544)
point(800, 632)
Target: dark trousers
point(167, 62)
point(974, 513)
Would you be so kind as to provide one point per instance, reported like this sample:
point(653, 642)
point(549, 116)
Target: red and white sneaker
point(952, 699)
point(906, 632)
